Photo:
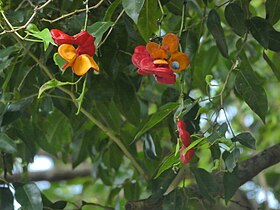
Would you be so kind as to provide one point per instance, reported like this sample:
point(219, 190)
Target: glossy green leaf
point(264, 33)
point(252, 93)
point(246, 139)
point(6, 199)
point(167, 163)
point(7, 144)
point(147, 21)
point(133, 8)
point(206, 183)
point(156, 118)
point(215, 28)
point(98, 29)
point(235, 18)
point(52, 84)
point(29, 196)
point(149, 147)
point(111, 9)
point(231, 184)
point(272, 8)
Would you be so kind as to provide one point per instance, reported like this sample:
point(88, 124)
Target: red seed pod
point(183, 133)
point(188, 156)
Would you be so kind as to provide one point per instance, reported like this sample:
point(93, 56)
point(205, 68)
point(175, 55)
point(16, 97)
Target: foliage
point(124, 124)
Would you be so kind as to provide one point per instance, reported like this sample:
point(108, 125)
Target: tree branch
point(54, 175)
point(247, 170)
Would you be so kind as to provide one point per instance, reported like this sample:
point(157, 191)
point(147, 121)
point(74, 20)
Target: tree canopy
point(139, 104)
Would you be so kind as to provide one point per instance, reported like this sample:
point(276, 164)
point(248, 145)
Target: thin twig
point(14, 29)
point(110, 30)
point(73, 13)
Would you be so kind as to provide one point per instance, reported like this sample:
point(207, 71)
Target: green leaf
point(29, 196)
point(111, 9)
point(206, 183)
point(44, 35)
point(7, 144)
point(126, 100)
point(264, 33)
point(175, 200)
point(193, 144)
point(218, 133)
point(132, 190)
point(149, 147)
point(80, 99)
point(133, 8)
point(59, 61)
point(58, 205)
point(6, 199)
point(272, 8)
point(231, 184)
point(156, 118)
point(98, 29)
point(147, 21)
point(235, 18)
point(204, 62)
point(231, 159)
point(246, 139)
point(54, 83)
point(167, 163)
point(251, 92)
point(273, 67)
point(55, 133)
point(215, 28)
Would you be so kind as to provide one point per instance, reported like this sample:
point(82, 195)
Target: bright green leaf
point(235, 18)
point(156, 118)
point(272, 11)
point(246, 139)
point(80, 99)
point(29, 196)
point(215, 28)
point(54, 83)
point(43, 35)
point(7, 144)
point(59, 61)
point(167, 163)
point(133, 8)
